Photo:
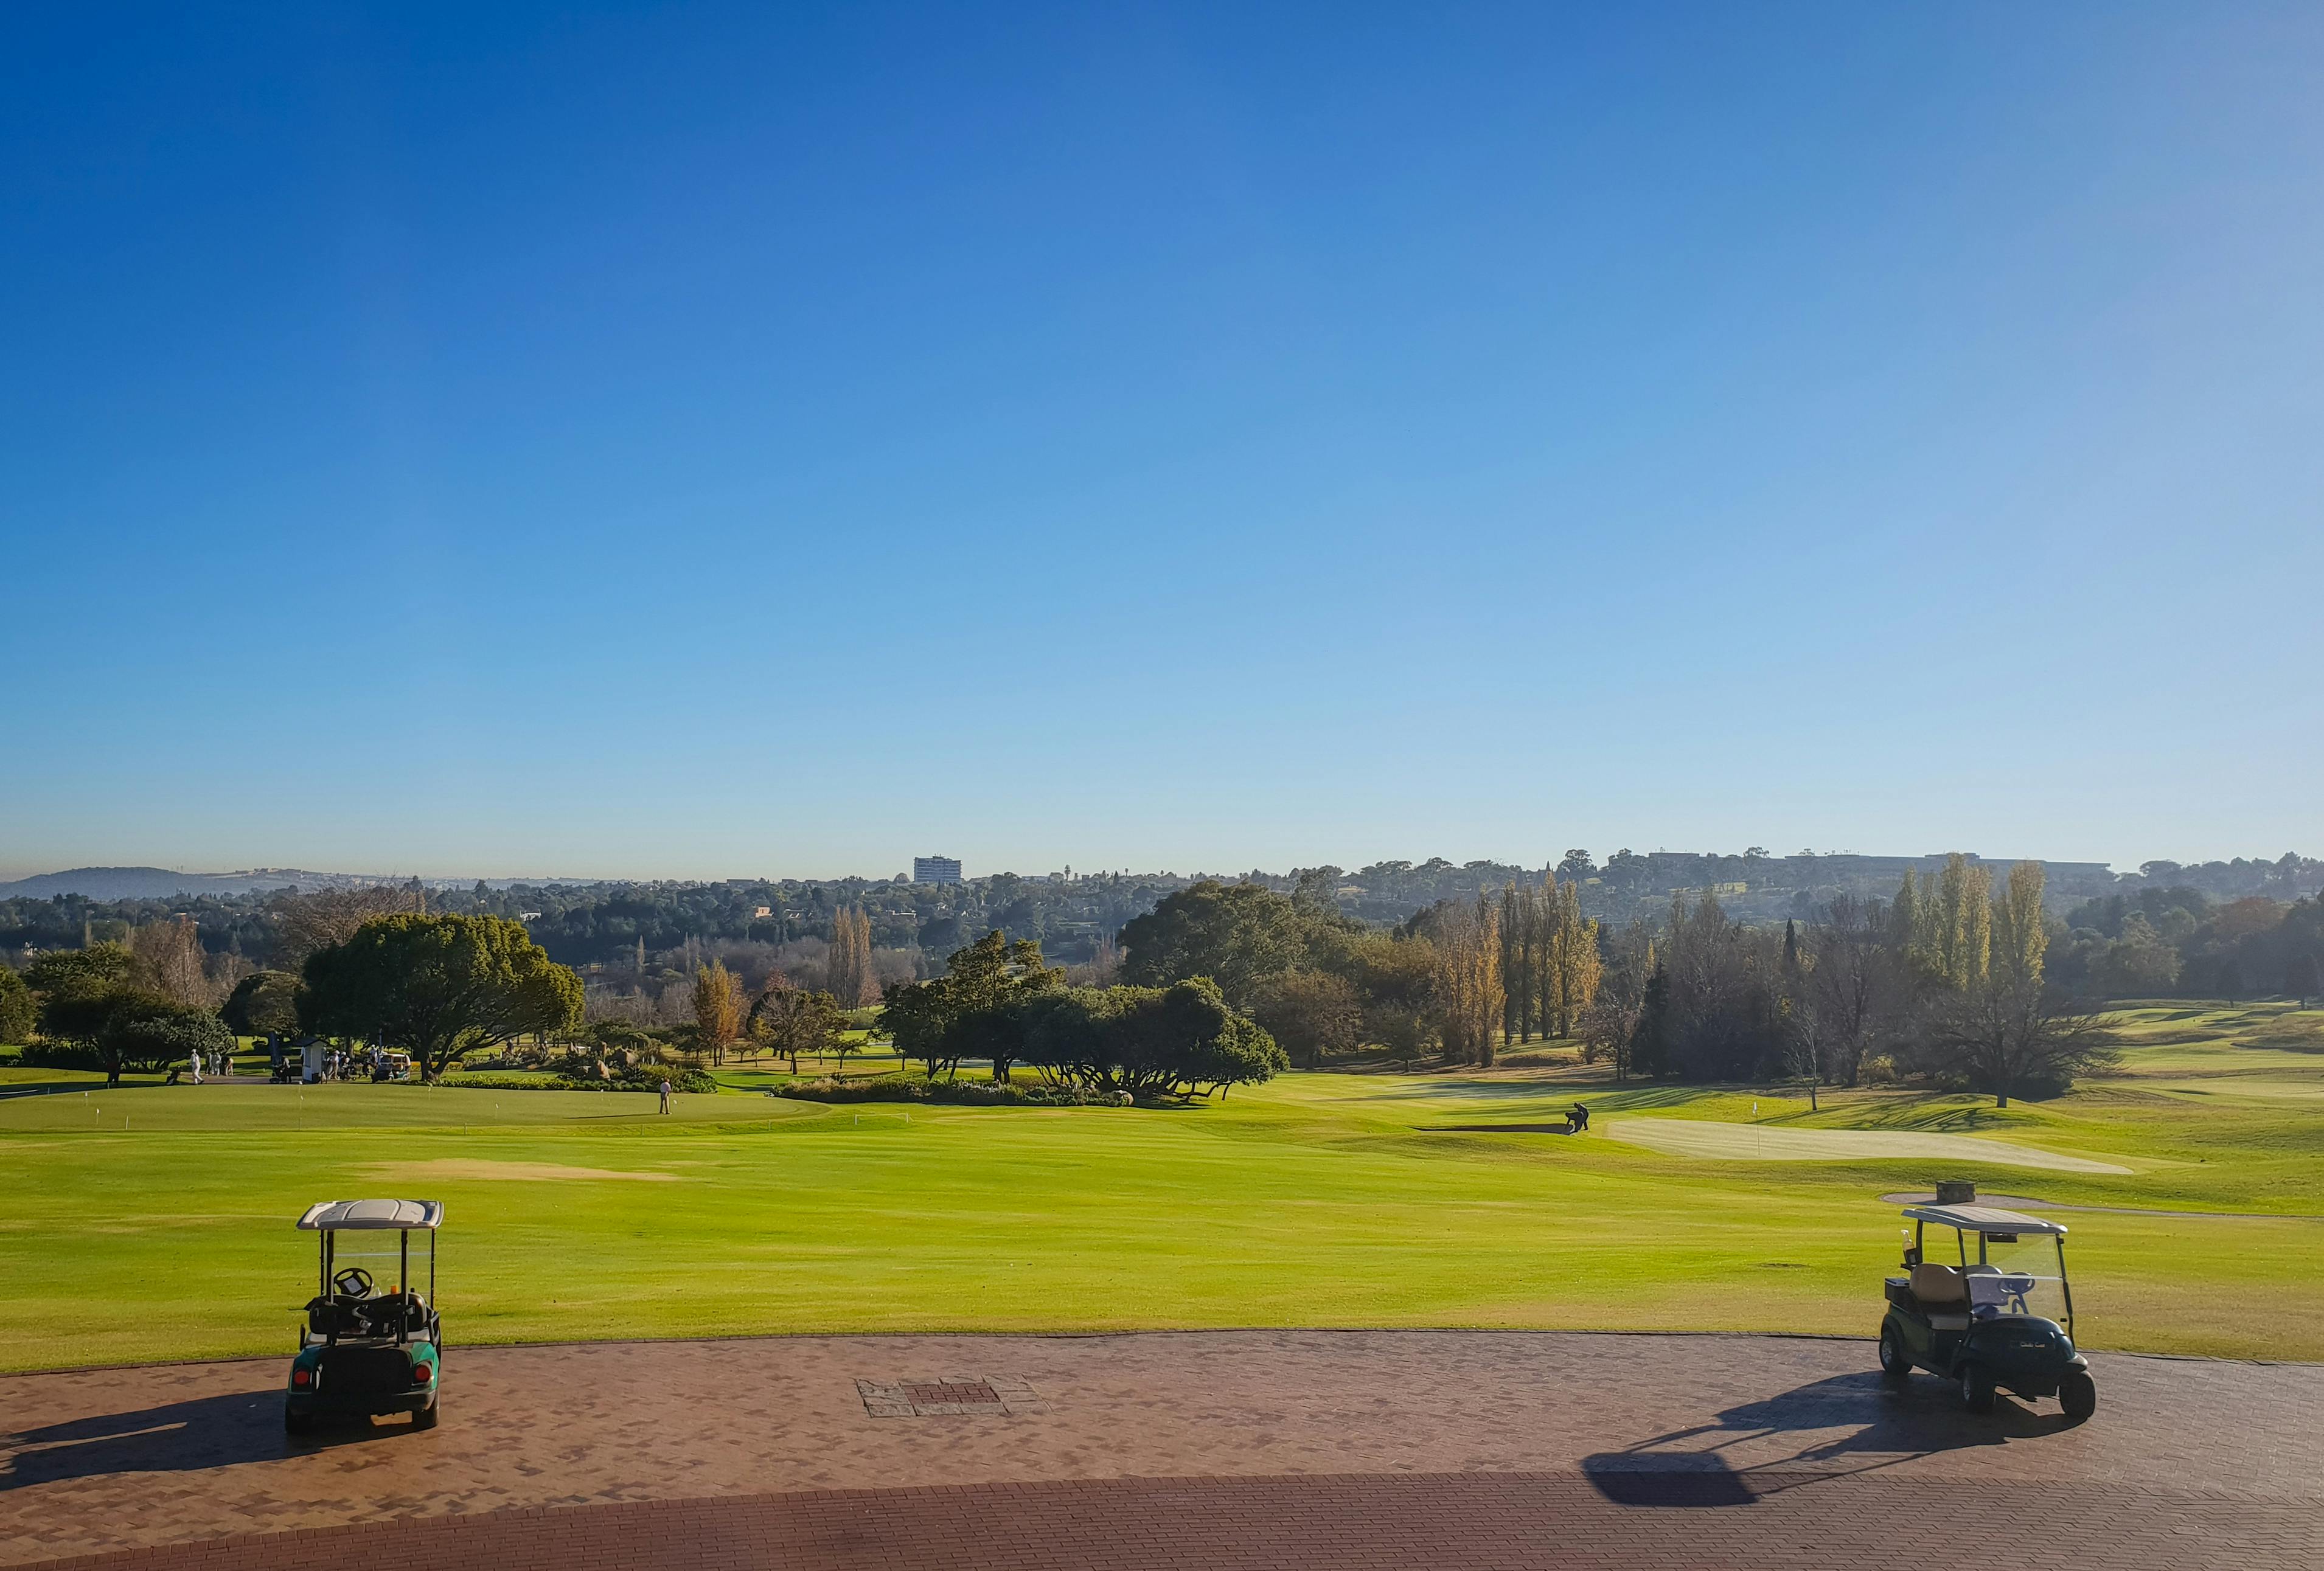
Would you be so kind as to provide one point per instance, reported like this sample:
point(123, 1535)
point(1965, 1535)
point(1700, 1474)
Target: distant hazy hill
point(161, 883)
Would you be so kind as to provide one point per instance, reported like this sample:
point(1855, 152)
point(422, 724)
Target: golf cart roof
point(1983, 1220)
point(372, 1215)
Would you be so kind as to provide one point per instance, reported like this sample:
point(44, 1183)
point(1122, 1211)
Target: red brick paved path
point(1537, 1448)
point(1672, 1521)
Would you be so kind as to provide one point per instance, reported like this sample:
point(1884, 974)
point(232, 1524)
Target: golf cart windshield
point(2013, 1263)
point(2018, 1276)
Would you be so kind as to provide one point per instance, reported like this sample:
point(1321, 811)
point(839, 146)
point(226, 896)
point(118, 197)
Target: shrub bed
point(59, 1055)
point(693, 1082)
point(960, 1093)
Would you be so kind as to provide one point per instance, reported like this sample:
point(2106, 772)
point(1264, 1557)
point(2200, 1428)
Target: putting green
point(1700, 1137)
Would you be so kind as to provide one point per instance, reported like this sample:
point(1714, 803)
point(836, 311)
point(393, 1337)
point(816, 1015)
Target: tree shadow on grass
point(1883, 1423)
point(182, 1436)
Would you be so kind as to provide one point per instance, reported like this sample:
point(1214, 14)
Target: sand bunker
point(459, 1167)
point(1760, 1142)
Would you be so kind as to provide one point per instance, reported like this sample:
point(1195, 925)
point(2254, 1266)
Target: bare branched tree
point(321, 918)
point(2016, 1041)
point(1854, 985)
point(168, 955)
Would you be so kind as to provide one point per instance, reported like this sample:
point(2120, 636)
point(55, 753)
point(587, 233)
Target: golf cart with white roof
point(364, 1350)
point(2003, 1321)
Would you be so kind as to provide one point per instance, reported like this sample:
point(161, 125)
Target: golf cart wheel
point(2077, 1394)
point(1895, 1362)
point(1975, 1389)
point(425, 1418)
point(297, 1423)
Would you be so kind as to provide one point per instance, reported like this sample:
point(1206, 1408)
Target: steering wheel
point(355, 1282)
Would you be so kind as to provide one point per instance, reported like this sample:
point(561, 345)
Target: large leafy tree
point(439, 987)
point(1234, 934)
point(1185, 1038)
point(17, 1009)
point(80, 992)
point(128, 1029)
point(1312, 1013)
point(150, 1031)
point(956, 1015)
point(262, 1004)
point(794, 1022)
point(64, 972)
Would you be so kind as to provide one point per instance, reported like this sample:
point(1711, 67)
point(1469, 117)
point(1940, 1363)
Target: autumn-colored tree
point(1964, 926)
point(717, 1008)
point(1469, 987)
point(1573, 960)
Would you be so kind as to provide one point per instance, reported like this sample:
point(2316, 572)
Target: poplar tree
point(1514, 966)
point(1578, 967)
point(1467, 951)
point(851, 957)
point(2019, 938)
point(1905, 919)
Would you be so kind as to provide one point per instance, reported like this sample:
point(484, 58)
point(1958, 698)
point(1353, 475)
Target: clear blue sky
point(707, 440)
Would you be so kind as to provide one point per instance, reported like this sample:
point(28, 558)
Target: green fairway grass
point(151, 1222)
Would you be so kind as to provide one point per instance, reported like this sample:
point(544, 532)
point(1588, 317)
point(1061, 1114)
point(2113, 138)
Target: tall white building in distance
point(935, 869)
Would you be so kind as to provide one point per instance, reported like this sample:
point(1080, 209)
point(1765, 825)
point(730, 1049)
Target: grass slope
point(153, 1223)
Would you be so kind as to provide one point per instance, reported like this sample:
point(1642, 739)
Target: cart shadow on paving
point(182, 1436)
point(1887, 1424)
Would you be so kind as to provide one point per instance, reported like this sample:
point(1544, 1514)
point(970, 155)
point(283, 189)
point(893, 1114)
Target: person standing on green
point(665, 1093)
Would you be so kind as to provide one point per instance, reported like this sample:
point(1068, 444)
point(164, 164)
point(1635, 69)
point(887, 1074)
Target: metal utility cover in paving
point(954, 1396)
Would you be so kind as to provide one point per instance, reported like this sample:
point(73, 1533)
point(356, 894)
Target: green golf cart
point(2003, 1321)
point(364, 1350)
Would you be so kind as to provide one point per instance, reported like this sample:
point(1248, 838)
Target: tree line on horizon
point(1698, 993)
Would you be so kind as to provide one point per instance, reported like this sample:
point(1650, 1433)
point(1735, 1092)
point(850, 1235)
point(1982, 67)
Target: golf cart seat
point(1942, 1295)
point(1939, 1284)
point(387, 1315)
